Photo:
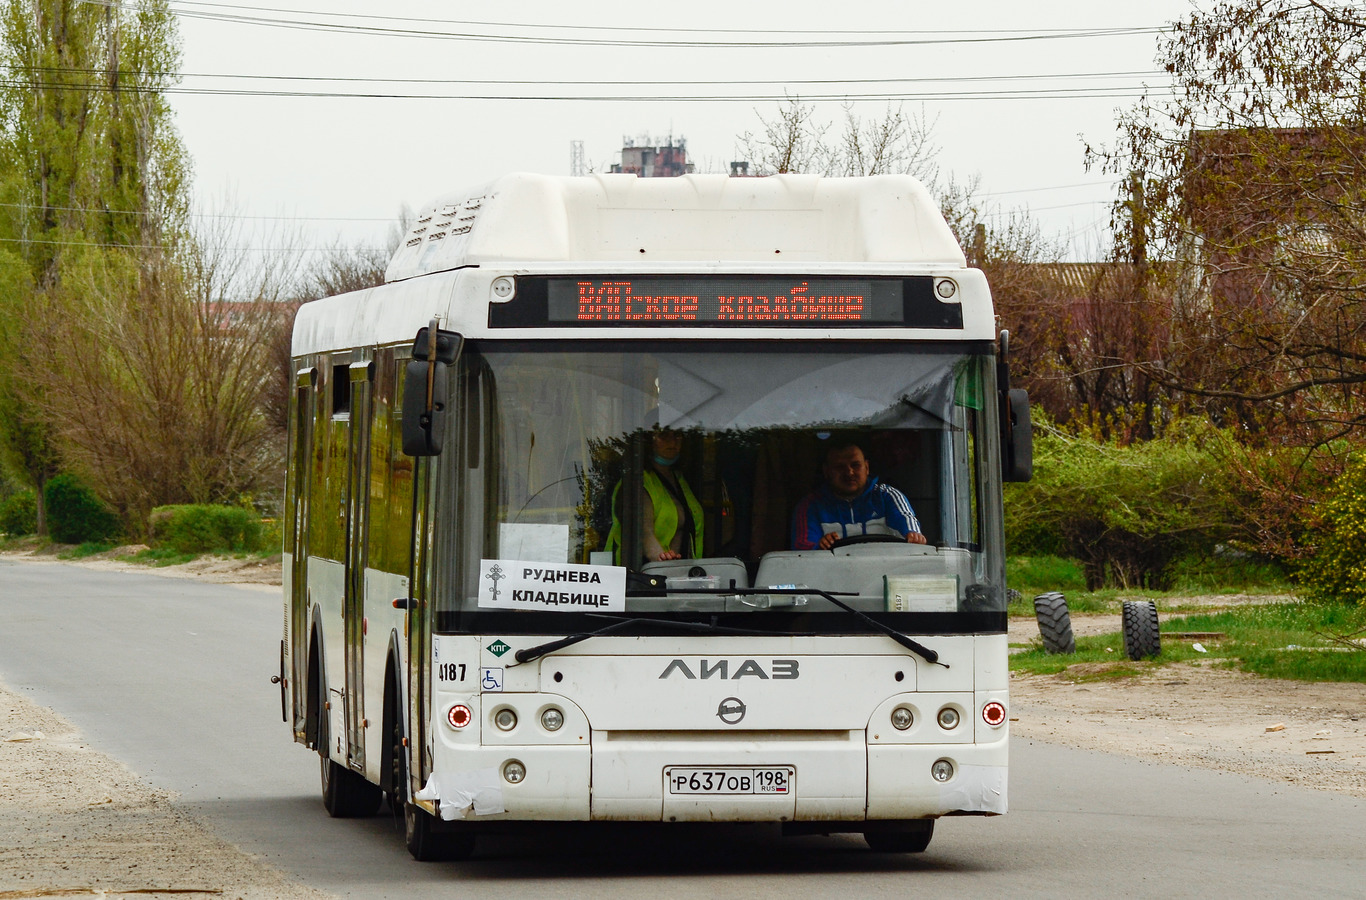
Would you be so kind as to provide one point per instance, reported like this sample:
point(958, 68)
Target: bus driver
point(850, 503)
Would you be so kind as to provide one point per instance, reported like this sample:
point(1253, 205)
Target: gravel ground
point(74, 823)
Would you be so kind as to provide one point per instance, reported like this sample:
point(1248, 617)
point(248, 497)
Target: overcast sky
point(344, 165)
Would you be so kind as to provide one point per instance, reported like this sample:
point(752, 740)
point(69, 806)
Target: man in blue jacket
point(850, 503)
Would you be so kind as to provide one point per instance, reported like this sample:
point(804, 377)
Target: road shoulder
point(75, 822)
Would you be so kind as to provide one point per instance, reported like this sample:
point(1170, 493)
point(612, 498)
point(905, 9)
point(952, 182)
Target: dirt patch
point(250, 571)
point(1201, 714)
point(74, 822)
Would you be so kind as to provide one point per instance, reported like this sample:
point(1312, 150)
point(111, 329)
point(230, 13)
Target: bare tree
point(1252, 178)
point(796, 141)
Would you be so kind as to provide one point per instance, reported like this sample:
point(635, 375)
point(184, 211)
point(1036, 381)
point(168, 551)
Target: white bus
point(480, 624)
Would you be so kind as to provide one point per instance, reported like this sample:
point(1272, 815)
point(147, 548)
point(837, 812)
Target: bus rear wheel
point(346, 794)
point(902, 837)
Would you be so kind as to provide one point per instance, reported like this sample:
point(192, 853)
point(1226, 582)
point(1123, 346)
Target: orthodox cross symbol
point(496, 574)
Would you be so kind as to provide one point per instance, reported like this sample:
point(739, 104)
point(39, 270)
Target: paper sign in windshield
point(558, 587)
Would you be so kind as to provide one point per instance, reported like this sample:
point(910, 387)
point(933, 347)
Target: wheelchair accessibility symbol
point(491, 679)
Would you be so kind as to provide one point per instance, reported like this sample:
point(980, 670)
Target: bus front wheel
point(903, 837)
point(426, 844)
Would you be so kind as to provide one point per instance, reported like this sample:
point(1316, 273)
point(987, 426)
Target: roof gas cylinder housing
point(776, 221)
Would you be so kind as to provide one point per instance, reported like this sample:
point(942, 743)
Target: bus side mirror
point(425, 393)
point(1017, 454)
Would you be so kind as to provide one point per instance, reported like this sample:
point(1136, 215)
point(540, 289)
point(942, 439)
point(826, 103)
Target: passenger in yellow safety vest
point(671, 517)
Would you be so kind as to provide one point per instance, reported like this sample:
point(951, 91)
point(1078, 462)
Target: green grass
point(1034, 575)
point(89, 548)
point(160, 556)
point(1256, 639)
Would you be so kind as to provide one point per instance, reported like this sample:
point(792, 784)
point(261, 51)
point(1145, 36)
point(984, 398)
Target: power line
point(352, 79)
point(109, 245)
point(881, 40)
point(144, 212)
point(1053, 93)
point(634, 28)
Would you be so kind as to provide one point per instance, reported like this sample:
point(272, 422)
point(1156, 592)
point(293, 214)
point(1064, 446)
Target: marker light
point(459, 715)
point(948, 718)
point(503, 288)
point(552, 719)
point(505, 719)
point(945, 288)
point(513, 772)
point(994, 713)
point(902, 718)
point(942, 770)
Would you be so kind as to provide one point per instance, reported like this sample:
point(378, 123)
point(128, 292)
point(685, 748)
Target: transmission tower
point(576, 163)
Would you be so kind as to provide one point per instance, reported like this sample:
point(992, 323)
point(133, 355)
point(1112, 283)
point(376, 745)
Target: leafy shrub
point(204, 528)
point(19, 514)
point(1337, 570)
point(1125, 512)
point(75, 515)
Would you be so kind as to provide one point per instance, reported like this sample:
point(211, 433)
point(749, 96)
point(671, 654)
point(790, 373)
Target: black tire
point(346, 794)
point(1142, 640)
point(424, 842)
point(905, 837)
point(1055, 623)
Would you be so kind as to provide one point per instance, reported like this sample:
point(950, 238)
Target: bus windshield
point(721, 467)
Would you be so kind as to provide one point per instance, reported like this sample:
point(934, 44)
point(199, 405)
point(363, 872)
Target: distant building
point(1263, 200)
point(652, 159)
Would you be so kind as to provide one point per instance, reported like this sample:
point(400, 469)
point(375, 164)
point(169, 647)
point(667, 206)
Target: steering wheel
point(867, 539)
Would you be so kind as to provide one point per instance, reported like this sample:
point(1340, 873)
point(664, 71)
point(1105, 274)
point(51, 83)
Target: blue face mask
point(665, 460)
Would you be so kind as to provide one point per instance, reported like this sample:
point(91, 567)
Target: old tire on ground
point(1141, 637)
point(901, 837)
point(1055, 623)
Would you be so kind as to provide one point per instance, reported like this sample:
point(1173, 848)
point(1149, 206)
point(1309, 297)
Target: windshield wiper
point(919, 649)
point(532, 653)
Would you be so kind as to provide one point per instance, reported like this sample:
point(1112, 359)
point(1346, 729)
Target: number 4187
point(451, 671)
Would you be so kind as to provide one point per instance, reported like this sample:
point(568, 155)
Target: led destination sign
point(724, 300)
point(727, 300)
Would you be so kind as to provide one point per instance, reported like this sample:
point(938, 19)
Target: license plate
point(727, 780)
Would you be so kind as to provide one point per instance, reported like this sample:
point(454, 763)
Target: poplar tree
point(90, 168)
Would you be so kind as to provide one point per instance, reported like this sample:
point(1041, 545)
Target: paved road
point(172, 677)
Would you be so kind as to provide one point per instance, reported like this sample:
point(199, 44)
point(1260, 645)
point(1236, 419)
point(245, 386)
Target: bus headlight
point(902, 718)
point(505, 719)
point(948, 718)
point(942, 770)
point(515, 773)
point(552, 719)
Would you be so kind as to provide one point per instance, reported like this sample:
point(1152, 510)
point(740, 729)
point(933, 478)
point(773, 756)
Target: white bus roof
point(526, 218)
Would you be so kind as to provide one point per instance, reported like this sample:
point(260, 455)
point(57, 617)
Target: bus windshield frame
point(548, 440)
